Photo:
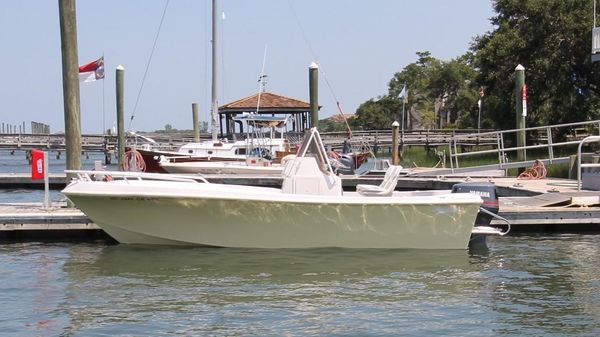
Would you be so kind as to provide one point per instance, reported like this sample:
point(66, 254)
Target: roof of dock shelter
point(269, 102)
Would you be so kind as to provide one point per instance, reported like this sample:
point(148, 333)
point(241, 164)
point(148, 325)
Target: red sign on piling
point(37, 164)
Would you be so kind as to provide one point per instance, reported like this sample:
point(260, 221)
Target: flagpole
point(479, 104)
point(403, 117)
point(403, 113)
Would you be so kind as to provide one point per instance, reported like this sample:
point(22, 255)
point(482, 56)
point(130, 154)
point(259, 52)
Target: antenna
point(262, 80)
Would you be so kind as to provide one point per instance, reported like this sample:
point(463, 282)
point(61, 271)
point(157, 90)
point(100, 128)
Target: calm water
point(521, 286)
point(17, 163)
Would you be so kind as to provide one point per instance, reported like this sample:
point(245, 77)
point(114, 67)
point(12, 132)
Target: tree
point(376, 114)
point(436, 86)
point(551, 39)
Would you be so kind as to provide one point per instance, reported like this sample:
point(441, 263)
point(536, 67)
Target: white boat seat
point(387, 186)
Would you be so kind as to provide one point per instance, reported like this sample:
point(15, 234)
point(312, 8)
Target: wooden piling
point(313, 87)
point(520, 112)
point(120, 83)
point(195, 121)
point(70, 76)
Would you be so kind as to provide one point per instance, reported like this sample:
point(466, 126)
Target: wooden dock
point(32, 221)
point(532, 206)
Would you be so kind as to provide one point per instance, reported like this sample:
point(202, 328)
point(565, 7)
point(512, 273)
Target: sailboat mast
point(215, 103)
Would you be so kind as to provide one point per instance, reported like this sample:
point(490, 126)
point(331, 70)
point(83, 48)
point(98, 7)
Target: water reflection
point(282, 265)
point(521, 286)
point(538, 285)
point(266, 289)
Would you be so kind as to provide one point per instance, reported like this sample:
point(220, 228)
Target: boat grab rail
point(86, 175)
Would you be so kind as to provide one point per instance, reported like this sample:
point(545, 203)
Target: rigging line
point(314, 55)
point(162, 19)
point(261, 86)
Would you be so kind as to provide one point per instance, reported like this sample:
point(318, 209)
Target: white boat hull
point(243, 216)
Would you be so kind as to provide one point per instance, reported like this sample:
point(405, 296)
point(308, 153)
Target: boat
point(310, 210)
point(222, 150)
point(261, 155)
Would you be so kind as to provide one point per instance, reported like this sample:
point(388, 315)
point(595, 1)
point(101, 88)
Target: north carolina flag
point(92, 71)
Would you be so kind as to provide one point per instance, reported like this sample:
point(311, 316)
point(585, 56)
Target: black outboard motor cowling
point(487, 192)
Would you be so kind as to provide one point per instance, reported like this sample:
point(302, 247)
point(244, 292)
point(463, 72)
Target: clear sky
point(359, 45)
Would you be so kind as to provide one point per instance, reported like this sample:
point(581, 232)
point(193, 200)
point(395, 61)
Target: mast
point(215, 102)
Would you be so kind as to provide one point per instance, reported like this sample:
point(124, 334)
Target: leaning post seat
point(387, 186)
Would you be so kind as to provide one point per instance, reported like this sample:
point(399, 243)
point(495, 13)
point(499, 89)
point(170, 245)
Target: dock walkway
point(546, 205)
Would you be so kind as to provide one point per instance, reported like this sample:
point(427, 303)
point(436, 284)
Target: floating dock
point(532, 206)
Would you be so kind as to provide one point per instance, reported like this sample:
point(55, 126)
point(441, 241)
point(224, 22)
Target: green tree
point(551, 39)
point(448, 85)
point(376, 114)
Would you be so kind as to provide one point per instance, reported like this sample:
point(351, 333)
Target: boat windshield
point(312, 146)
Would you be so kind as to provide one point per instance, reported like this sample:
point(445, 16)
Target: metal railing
point(545, 138)
point(91, 175)
point(589, 139)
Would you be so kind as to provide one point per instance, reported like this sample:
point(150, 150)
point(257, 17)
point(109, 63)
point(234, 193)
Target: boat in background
point(309, 210)
point(261, 155)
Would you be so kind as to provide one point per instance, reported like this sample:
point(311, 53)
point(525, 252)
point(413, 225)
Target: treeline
point(550, 38)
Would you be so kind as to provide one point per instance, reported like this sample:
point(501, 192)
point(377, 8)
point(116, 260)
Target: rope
point(536, 171)
point(148, 64)
point(314, 55)
point(140, 164)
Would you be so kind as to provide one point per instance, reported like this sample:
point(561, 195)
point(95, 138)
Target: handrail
point(140, 175)
point(548, 144)
point(588, 139)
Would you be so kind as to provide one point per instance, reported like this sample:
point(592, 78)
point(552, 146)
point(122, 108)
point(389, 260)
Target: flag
point(481, 94)
point(92, 71)
point(403, 95)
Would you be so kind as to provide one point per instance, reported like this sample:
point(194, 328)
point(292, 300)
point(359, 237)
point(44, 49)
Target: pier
point(532, 206)
point(540, 205)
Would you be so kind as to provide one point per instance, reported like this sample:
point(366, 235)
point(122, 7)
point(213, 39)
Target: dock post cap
point(120, 67)
point(313, 65)
point(519, 67)
point(395, 124)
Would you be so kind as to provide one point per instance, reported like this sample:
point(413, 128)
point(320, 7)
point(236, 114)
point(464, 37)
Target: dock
point(33, 221)
point(532, 206)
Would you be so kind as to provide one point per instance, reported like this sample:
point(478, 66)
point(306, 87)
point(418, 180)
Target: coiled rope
point(135, 158)
point(536, 171)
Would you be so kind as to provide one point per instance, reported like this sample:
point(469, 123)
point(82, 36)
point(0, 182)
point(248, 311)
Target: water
point(17, 163)
point(521, 286)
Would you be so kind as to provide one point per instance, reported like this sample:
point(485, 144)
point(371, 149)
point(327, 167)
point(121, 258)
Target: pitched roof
point(268, 101)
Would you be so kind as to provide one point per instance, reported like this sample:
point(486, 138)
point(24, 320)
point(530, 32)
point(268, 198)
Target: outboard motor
point(487, 192)
point(488, 210)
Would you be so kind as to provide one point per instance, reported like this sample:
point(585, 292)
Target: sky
point(359, 46)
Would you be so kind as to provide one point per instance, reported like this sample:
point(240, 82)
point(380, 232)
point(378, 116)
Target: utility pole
point(70, 77)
